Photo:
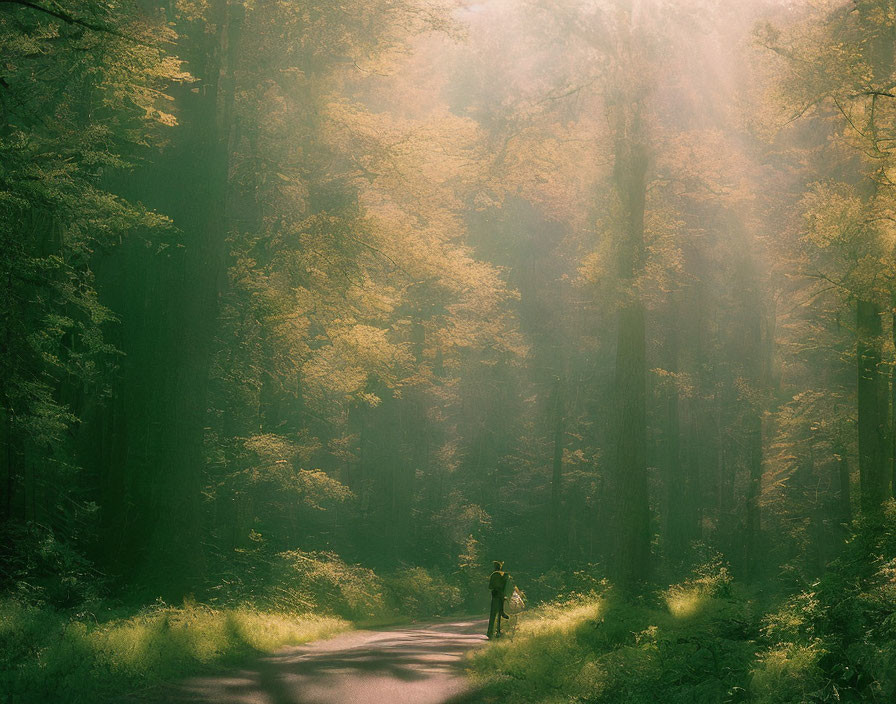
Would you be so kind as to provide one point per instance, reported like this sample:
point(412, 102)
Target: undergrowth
point(48, 655)
point(835, 641)
point(689, 643)
point(708, 640)
point(322, 582)
point(62, 639)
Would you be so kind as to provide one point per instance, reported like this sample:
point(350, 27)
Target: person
point(497, 585)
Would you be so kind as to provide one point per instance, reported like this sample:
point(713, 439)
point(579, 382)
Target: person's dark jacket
point(497, 583)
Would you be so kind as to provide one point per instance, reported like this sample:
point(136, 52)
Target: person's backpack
point(516, 603)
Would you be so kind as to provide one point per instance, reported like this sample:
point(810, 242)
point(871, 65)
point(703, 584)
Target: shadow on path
point(406, 665)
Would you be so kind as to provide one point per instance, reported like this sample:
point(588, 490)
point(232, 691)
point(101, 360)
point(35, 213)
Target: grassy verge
point(691, 643)
point(47, 655)
point(706, 640)
point(91, 653)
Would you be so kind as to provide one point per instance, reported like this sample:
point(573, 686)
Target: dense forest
point(318, 307)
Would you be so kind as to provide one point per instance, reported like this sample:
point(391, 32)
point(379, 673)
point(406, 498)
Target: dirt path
point(408, 665)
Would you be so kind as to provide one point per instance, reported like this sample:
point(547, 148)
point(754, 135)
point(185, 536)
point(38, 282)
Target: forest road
point(418, 664)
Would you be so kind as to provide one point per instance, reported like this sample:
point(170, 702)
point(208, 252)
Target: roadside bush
point(560, 584)
point(417, 592)
point(38, 568)
point(322, 581)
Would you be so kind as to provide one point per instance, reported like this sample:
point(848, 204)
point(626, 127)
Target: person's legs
point(494, 615)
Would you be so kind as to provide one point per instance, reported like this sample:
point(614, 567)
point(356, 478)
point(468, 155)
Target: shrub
point(38, 568)
point(417, 592)
point(559, 584)
point(789, 673)
point(324, 582)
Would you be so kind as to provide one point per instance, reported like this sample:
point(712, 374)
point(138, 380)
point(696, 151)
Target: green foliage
point(48, 655)
point(559, 583)
point(273, 463)
point(416, 591)
point(324, 581)
point(40, 569)
point(692, 642)
point(298, 581)
point(705, 640)
point(76, 107)
point(835, 640)
point(789, 673)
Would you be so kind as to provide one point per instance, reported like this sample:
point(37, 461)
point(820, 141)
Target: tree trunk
point(677, 506)
point(845, 499)
point(199, 167)
point(556, 523)
point(633, 551)
point(754, 490)
point(893, 413)
point(757, 368)
point(873, 477)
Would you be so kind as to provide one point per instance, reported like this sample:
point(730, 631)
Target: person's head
point(498, 565)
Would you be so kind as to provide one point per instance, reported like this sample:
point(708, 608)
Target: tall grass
point(47, 655)
point(706, 640)
point(687, 644)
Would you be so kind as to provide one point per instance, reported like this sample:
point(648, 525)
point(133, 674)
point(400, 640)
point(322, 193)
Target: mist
point(318, 314)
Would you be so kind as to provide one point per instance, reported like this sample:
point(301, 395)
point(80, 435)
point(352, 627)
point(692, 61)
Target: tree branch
point(834, 284)
point(68, 18)
point(884, 93)
point(381, 253)
point(572, 90)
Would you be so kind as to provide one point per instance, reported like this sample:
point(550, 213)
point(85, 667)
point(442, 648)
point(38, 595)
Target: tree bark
point(633, 549)
point(199, 205)
point(677, 504)
point(844, 480)
point(871, 431)
point(757, 368)
point(556, 523)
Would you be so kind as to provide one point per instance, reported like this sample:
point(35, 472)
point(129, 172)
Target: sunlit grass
point(679, 643)
point(558, 618)
point(538, 658)
point(45, 656)
point(787, 673)
point(684, 602)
